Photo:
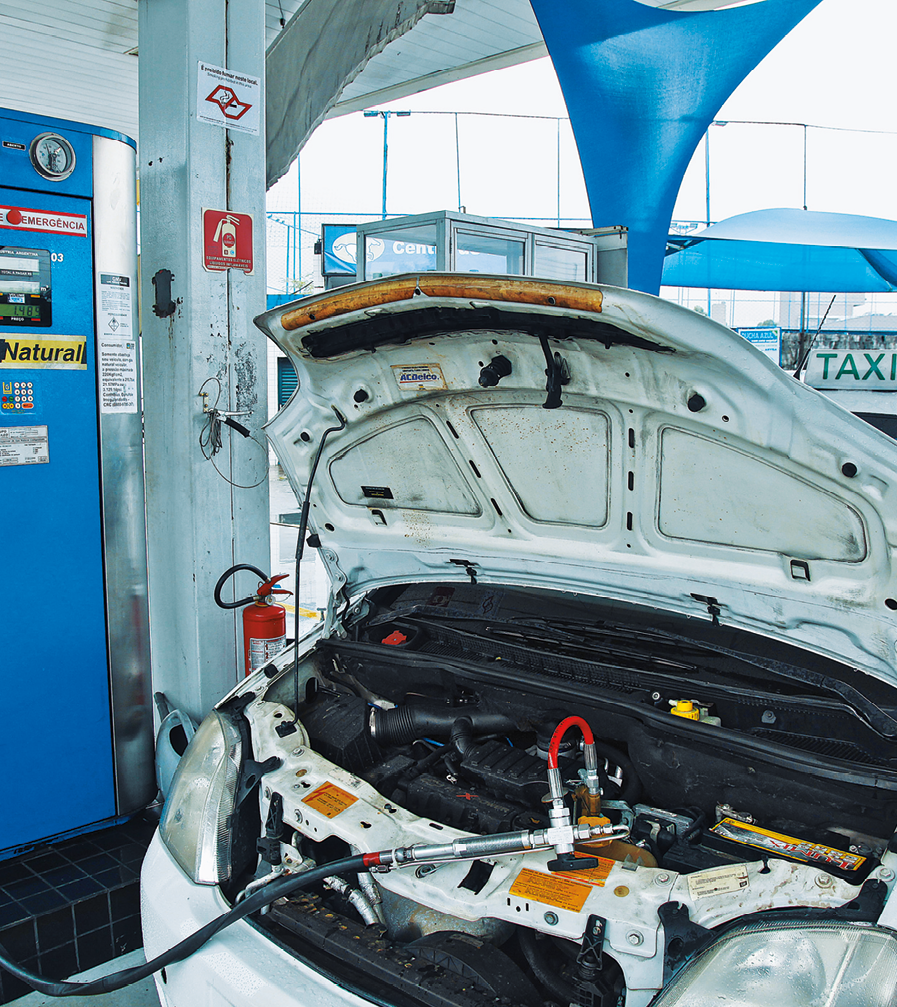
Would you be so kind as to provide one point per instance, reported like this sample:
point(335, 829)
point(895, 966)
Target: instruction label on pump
point(24, 446)
point(116, 345)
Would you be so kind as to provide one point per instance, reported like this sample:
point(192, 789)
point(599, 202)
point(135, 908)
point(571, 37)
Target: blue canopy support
point(787, 249)
point(642, 85)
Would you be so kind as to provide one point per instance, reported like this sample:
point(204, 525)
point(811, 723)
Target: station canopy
point(787, 249)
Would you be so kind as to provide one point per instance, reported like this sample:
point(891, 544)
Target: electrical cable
point(210, 442)
point(119, 980)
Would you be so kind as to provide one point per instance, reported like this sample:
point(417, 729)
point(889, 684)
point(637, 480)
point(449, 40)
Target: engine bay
point(720, 779)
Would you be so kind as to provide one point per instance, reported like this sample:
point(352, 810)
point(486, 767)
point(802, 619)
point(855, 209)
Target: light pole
point(385, 114)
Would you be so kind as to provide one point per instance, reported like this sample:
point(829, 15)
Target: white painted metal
point(769, 499)
point(198, 524)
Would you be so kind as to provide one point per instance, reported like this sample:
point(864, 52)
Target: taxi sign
point(857, 369)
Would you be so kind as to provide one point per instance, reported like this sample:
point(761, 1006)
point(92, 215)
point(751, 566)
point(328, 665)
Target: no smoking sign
point(227, 240)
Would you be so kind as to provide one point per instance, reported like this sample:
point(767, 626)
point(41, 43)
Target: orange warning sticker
point(329, 800)
point(552, 889)
point(596, 875)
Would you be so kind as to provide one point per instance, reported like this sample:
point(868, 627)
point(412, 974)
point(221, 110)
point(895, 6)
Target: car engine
point(693, 768)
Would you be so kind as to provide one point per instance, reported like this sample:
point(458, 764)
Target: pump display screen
point(24, 286)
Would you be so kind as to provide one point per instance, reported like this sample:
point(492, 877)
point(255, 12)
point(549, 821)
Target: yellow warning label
point(787, 846)
point(597, 874)
point(51, 353)
point(329, 800)
point(552, 889)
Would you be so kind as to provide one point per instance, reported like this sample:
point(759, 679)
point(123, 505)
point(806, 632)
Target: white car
point(604, 710)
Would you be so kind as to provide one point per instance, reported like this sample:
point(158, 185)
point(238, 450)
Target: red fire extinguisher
point(264, 621)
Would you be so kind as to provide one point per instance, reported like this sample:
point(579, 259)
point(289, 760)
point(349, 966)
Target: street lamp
point(385, 114)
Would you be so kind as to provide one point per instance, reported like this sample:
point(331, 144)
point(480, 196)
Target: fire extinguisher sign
point(227, 240)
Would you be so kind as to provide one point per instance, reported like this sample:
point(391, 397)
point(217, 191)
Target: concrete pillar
point(197, 523)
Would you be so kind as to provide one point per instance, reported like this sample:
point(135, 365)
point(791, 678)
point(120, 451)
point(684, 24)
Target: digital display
point(20, 310)
point(24, 286)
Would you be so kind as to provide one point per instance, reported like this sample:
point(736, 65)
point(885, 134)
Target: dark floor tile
point(19, 941)
point(132, 853)
point(62, 875)
point(79, 890)
point(54, 929)
point(26, 887)
point(98, 862)
point(59, 963)
point(40, 861)
point(116, 877)
point(126, 935)
point(12, 872)
point(43, 902)
point(92, 913)
point(125, 902)
point(12, 912)
point(94, 948)
point(78, 850)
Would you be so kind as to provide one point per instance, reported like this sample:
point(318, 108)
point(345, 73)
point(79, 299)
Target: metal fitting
point(662, 879)
point(885, 874)
point(551, 919)
point(635, 938)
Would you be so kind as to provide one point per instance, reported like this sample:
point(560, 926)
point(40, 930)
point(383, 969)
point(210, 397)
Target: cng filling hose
point(468, 848)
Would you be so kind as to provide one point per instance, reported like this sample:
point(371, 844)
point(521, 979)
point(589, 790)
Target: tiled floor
point(68, 907)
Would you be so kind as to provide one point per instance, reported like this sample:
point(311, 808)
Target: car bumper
point(238, 967)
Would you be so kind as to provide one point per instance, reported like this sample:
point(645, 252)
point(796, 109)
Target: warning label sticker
point(415, 377)
point(551, 889)
point(39, 220)
point(329, 800)
point(596, 875)
point(24, 446)
point(52, 353)
point(114, 305)
point(787, 846)
point(718, 881)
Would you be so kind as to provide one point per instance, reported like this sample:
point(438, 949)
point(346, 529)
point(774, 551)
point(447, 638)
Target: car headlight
point(790, 964)
point(196, 825)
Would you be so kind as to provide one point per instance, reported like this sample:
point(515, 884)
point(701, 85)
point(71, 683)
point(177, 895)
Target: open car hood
point(586, 439)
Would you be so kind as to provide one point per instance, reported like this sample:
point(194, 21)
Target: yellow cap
point(686, 708)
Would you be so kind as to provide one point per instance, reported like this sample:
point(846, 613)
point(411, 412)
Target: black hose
point(403, 724)
point(119, 980)
point(461, 736)
point(556, 985)
point(223, 578)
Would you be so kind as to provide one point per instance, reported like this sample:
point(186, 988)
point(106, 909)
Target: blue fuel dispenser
point(76, 718)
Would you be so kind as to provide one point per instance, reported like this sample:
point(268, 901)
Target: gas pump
point(76, 719)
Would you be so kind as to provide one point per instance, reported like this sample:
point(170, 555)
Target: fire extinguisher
point(264, 621)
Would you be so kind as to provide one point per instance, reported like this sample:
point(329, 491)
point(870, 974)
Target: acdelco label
point(22, 219)
point(417, 377)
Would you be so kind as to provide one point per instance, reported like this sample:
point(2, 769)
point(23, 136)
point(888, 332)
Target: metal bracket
point(269, 845)
point(682, 938)
point(252, 773)
point(588, 963)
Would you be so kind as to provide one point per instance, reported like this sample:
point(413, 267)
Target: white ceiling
point(77, 59)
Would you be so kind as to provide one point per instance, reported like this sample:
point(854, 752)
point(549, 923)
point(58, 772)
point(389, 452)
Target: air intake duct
point(403, 724)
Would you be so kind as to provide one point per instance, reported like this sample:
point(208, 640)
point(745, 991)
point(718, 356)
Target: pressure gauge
point(52, 156)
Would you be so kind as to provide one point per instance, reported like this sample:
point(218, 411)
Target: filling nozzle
point(501, 844)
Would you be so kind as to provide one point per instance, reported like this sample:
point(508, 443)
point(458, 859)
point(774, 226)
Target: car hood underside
point(592, 440)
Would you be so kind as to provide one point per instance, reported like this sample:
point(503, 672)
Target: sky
point(834, 71)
